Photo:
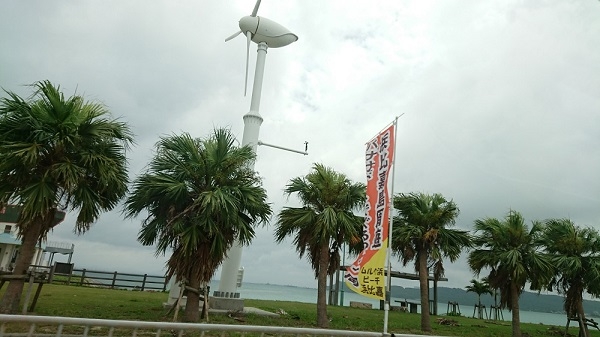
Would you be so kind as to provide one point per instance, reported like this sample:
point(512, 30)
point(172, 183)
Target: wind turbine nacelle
point(267, 31)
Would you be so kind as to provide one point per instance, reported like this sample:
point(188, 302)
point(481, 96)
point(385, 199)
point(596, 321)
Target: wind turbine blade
point(255, 10)
point(249, 36)
point(232, 36)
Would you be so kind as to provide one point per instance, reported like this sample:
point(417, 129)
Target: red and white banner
point(366, 275)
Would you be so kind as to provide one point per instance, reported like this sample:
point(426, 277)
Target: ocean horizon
point(275, 292)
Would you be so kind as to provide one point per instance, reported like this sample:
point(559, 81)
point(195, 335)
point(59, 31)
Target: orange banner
point(366, 275)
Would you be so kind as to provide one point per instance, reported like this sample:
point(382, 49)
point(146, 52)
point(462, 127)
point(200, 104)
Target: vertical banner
point(366, 275)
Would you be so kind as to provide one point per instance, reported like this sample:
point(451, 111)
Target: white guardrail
point(46, 326)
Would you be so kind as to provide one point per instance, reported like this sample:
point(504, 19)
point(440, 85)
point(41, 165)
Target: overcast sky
point(500, 101)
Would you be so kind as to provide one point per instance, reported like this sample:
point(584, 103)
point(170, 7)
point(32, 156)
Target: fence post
point(144, 281)
point(82, 277)
point(112, 286)
point(51, 277)
point(28, 294)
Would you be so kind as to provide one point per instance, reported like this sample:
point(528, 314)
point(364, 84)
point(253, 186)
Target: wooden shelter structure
point(412, 276)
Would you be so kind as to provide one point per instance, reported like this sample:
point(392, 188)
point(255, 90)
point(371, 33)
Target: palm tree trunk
point(192, 304)
point(583, 328)
point(12, 296)
point(516, 318)
point(322, 320)
point(424, 288)
point(496, 304)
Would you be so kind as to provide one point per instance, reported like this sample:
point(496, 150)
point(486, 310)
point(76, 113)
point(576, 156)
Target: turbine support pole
point(252, 120)
point(258, 78)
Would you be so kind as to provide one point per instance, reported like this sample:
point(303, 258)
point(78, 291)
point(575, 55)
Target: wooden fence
point(112, 280)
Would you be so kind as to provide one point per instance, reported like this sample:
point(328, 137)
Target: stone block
point(355, 304)
point(224, 303)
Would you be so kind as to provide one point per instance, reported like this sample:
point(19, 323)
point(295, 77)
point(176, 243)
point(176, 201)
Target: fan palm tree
point(575, 254)
point(323, 223)
point(201, 197)
point(510, 250)
point(421, 234)
point(57, 153)
point(479, 288)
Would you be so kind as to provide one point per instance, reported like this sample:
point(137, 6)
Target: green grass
point(87, 302)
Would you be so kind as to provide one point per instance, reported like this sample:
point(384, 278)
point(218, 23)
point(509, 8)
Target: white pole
point(252, 122)
point(282, 148)
point(388, 293)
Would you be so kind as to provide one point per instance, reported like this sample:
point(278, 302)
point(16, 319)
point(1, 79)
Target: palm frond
point(201, 198)
point(422, 227)
point(326, 217)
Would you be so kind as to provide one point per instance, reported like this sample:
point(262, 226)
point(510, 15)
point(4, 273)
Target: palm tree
point(201, 197)
point(509, 250)
point(479, 288)
point(575, 253)
point(57, 153)
point(421, 234)
point(324, 222)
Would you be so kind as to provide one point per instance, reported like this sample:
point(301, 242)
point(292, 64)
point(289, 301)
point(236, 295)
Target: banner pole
point(388, 292)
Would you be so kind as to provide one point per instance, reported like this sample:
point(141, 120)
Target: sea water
point(309, 295)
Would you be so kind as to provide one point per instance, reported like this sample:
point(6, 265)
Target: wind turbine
point(266, 33)
point(262, 30)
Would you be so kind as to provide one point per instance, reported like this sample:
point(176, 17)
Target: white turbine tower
point(265, 33)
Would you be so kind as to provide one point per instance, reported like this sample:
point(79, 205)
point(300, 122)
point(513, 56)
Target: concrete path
point(247, 310)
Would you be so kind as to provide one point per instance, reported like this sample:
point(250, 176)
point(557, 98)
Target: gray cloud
point(500, 100)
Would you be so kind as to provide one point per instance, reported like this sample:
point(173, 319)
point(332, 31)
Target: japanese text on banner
point(366, 275)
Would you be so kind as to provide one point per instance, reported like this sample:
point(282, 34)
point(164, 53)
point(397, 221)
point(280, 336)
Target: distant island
point(529, 301)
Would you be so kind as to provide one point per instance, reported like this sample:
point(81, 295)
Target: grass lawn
point(87, 302)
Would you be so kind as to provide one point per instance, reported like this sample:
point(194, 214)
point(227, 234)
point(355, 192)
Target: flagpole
point(388, 292)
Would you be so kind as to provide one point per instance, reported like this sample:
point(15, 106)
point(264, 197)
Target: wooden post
point(178, 303)
point(144, 281)
point(28, 295)
point(435, 296)
point(112, 286)
point(51, 276)
point(568, 322)
point(205, 306)
point(330, 297)
point(35, 298)
point(82, 277)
